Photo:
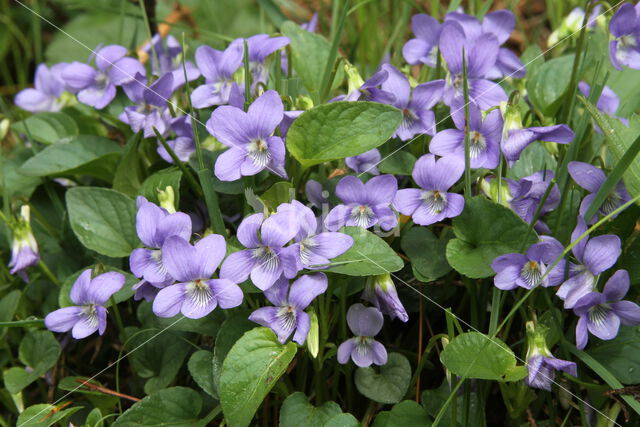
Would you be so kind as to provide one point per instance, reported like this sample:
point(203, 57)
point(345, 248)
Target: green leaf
point(200, 367)
point(223, 187)
point(174, 406)
point(39, 351)
point(84, 155)
point(534, 158)
point(387, 386)
point(158, 357)
point(230, 331)
point(403, 414)
point(129, 172)
point(398, 163)
point(44, 415)
point(355, 127)
point(280, 192)
point(159, 181)
point(252, 367)
point(484, 231)
point(126, 292)
point(369, 255)
point(619, 140)
point(342, 420)
point(476, 355)
point(8, 307)
point(548, 84)
point(16, 183)
point(427, 253)
point(310, 54)
point(297, 411)
point(103, 220)
point(621, 356)
point(48, 128)
point(434, 399)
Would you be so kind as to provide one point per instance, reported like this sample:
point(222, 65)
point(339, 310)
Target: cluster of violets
point(284, 252)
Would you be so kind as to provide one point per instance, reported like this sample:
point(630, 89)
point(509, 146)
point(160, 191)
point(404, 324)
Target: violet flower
point(432, 202)
point(515, 138)
point(312, 249)
point(481, 53)
point(89, 314)
point(260, 47)
point(417, 117)
point(528, 270)
point(381, 292)
point(249, 136)
point(169, 52)
point(316, 195)
point(607, 103)
point(594, 255)
point(151, 110)
point(48, 87)
point(183, 145)
point(424, 48)
point(365, 162)
point(264, 240)
point(97, 88)
point(288, 313)
point(369, 90)
point(195, 294)
point(145, 290)
point(365, 205)
point(602, 313)
point(527, 193)
point(624, 49)
point(24, 247)
point(217, 67)
point(541, 364)
point(484, 137)
point(591, 179)
point(363, 349)
point(154, 226)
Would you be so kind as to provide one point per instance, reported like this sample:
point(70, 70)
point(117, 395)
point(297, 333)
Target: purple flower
point(540, 362)
point(369, 90)
point(217, 67)
point(195, 294)
point(365, 204)
point(155, 225)
point(97, 88)
point(484, 137)
point(481, 53)
point(146, 290)
point(365, 323)
point(169, 53)
point(594, 255)
point(515, 138)
point(287, 120)
point(424, 48)
point(288, 315)
point(591, 179)
point(252, 147)
point(48, 86)
point(260, 47)
point(432, 203)
point(183, 145)
point(89, 314)
point(365, 162)
point(527, 192)
point(602, 313)
point(381, 292)
point(316, 194)
point(312, 249)
point(24, 248)
point(265, 240)
point(542, 370)
point(624, 49)
point(527, 271)
point(607, 103)
point(151, 110)
point(417, 117)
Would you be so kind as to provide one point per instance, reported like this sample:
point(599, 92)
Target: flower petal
point(364, 321)
point(601, 253)
point(169, 300)
point(63, 319)
point(237, 266)
point(306, 289)
point(227, 293)
point(103, 286)
point(180, 259)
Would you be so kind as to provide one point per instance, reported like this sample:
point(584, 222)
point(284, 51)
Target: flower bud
point(313, 339)
point(167, 199)
point(24, 248)
point(354, 79)
point(381, 292)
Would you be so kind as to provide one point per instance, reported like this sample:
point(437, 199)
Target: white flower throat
point(258, 152)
